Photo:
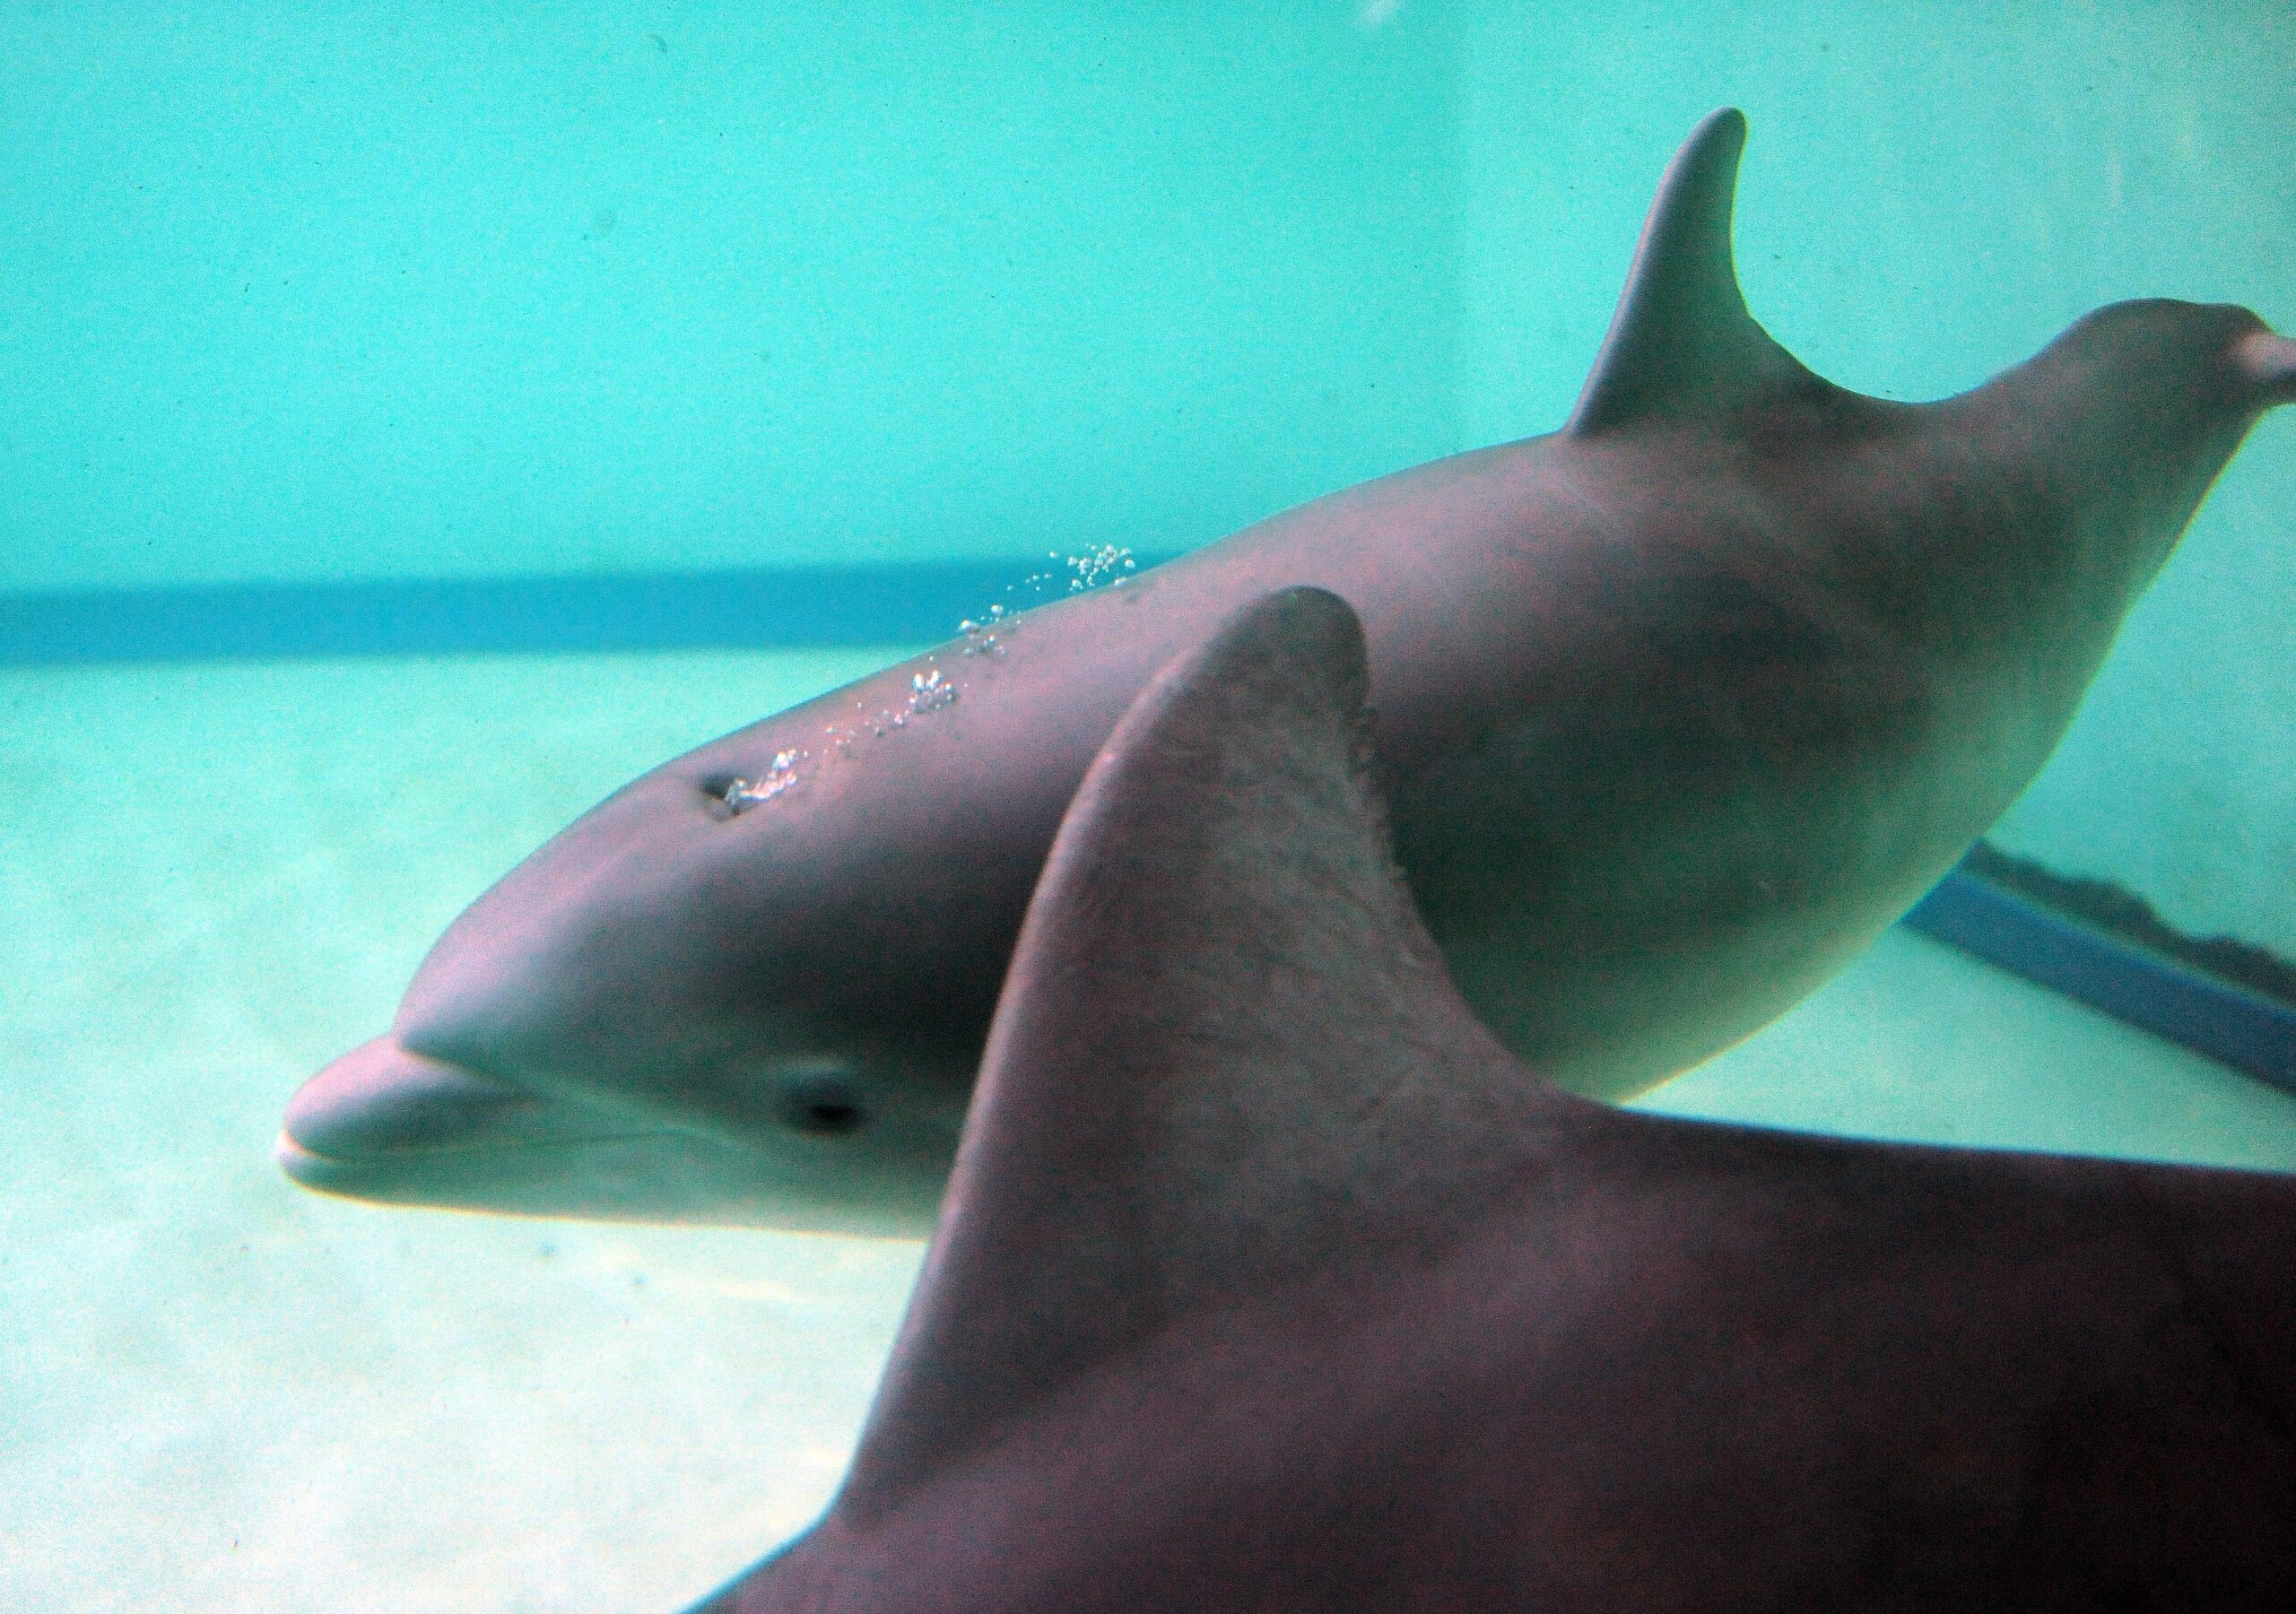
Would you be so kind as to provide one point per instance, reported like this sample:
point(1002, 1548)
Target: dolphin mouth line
point(288, 1148)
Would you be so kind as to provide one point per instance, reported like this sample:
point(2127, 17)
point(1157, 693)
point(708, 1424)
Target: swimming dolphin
point(1267, 1279)
point(1679, 706)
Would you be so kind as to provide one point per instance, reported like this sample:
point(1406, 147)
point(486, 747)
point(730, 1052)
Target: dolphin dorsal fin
point(1228, 1055)
point(1681, 345)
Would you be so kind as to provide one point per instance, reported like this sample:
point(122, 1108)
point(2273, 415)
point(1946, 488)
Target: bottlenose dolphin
point(1679, 706)
point(1267, 1279)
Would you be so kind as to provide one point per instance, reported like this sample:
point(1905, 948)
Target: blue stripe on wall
point(2134, 985)
point(666, 610)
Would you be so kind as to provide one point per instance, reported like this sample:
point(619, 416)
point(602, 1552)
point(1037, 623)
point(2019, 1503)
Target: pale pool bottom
point(220, 1392)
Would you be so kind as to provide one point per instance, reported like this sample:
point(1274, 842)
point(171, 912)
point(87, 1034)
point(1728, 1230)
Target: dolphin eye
point(821, 1102)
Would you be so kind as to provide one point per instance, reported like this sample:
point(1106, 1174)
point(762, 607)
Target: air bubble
point(1107, 563)
point(980, 639)
point(928, 692)
point(741, 795)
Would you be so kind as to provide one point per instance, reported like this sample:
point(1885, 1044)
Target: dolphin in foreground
point(1269, 1279)
point(1679, 706)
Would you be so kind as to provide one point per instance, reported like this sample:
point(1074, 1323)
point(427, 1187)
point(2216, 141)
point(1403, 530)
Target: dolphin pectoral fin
point(2268, 362)
point(1682, 343)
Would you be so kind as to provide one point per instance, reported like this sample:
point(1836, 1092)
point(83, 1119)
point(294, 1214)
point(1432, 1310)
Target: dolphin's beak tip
point(379, 1100)
point(293, 1159)
point(2269, 363)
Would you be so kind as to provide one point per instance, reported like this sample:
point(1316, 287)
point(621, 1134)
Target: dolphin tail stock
point(1682, 343)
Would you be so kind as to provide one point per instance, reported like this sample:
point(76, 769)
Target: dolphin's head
point(2143, 403)
point(665, 1014)
point(2148, 364)
point(2265, 364)
point(842, 1154)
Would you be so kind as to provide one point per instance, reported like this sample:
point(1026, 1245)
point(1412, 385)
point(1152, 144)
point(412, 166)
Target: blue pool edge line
point(2251, 1033)
point(785, 607)
point(900, 603)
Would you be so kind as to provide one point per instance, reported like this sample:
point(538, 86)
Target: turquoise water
point(372, 295)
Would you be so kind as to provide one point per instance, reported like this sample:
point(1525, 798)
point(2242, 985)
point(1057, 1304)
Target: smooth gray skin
point(1679, 708)
point(1268, 1280)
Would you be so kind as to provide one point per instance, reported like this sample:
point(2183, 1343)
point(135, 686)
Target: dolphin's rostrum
point(1677, 707)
